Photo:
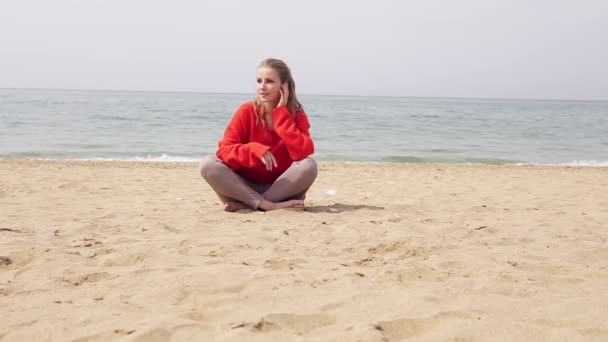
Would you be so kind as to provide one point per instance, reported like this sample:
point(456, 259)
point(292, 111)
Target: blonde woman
point(263, 161)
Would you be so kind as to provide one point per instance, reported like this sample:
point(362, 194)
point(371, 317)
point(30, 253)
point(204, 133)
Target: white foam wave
point(163, 158)
point(586, 163)
point(576, 163)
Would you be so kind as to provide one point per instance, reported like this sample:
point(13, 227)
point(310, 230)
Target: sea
point(183, 127)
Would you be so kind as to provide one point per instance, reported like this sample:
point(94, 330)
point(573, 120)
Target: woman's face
point(269, 85)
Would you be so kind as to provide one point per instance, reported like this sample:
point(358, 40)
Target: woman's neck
point(268, 107)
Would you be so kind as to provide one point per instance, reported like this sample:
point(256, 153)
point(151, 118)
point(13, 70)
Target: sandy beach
point(96, 251)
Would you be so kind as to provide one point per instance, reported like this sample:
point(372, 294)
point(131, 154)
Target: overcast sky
point(547, 49)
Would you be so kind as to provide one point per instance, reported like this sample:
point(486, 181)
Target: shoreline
point(581, 164)
point(142, 250)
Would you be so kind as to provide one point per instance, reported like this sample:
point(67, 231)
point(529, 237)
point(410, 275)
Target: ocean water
point(160, 126)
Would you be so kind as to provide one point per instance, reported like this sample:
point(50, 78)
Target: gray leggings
point(231, 187)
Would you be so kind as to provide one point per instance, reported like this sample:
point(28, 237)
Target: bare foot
point(291, 204)
point(235, 206)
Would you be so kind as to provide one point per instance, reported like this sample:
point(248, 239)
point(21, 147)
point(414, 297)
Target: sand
point(94, 251)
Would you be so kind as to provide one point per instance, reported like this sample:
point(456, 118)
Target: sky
point(520, 49)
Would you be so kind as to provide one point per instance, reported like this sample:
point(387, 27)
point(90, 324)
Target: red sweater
point(246, 141)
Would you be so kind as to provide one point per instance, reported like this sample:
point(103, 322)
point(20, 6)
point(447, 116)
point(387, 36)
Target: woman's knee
point(207, 165)
point(310, 166)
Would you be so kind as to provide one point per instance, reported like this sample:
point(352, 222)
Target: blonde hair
point(293, 105)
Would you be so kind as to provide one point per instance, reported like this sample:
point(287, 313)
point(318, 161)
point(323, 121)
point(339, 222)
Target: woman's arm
point(234, 148)
point(294, 132)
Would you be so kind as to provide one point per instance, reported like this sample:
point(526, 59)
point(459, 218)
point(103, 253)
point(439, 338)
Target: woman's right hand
point(269, 161)
point(284, 90)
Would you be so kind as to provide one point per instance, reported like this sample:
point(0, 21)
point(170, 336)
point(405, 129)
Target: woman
point(263, 159)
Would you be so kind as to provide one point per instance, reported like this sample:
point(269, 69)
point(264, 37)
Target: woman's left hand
point(284, 94)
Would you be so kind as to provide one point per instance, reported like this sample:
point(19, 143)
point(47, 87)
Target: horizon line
point(308, 94)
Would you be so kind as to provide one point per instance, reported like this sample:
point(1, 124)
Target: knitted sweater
point(246, 140)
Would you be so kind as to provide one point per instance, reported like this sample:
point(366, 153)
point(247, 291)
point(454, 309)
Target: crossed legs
point(237, 193)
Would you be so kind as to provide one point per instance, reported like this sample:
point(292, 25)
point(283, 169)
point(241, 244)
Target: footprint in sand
point(87, 278)
point(450, 266)
point(5, 289)
point(167, 227)
point(414, 247)
point(195, 316)
point(299, 324)
point(107, 335)
point(125, 260)
point(416, 273)
point(5, 261)
point(179, 332)
point(85, 242)
point(283, 264)
point(20, 260)
point(405, 328)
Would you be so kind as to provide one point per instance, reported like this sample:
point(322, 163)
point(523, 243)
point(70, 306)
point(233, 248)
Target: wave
point(445, 159)
point(113, 118)
point(167, 158)
point(163, 158)
point(586, 163)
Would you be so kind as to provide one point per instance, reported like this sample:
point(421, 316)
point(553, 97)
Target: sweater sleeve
point(294, 132)
point(234, 148)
